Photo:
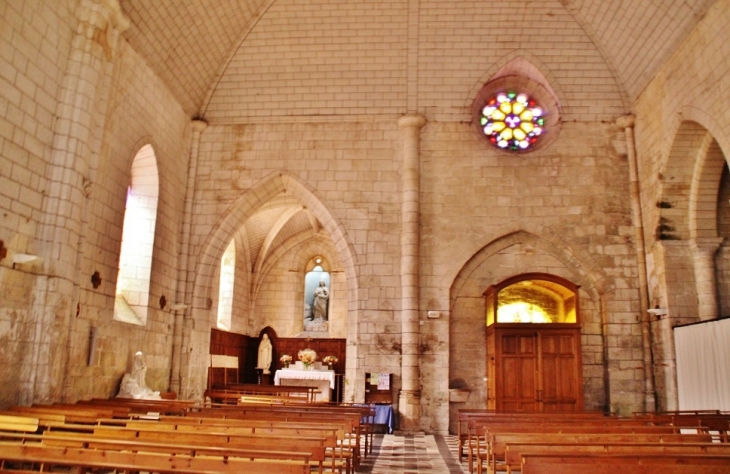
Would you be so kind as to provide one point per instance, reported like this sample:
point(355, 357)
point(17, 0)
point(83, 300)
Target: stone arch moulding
point(584, 270)
point(519, 75)
point(519, 62)
point(694, 161)
point(578, 267)
point(215, 243)
point(706, 121)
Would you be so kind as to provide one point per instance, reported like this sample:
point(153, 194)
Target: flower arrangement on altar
point(330, 360)
point(285, 359)
point(307, 356)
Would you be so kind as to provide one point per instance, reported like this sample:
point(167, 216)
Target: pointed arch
point(522, 63)
point(520, 248)
point(193, 367)
point(588, 273)
point(280, 182)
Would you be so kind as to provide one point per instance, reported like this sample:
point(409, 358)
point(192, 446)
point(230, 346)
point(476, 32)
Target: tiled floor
point(411, 454)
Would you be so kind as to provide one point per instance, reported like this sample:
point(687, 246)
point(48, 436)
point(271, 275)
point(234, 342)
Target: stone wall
point(35, 44)
point(46, 345)
point(687, 92)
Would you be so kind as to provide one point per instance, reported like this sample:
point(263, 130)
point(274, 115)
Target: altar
point(322, 380)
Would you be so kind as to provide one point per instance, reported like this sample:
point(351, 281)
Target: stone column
point(703, 253)
point(627, 124)
point(100, 22)
point(185, 275)
point(409, 403)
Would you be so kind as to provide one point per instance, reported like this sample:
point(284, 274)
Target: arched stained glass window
point(512, 121)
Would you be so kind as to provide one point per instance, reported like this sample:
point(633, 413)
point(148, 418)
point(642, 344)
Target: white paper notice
point(383, 381)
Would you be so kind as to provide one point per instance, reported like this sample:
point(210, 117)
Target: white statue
point(264, 360)
point(134, 384)
point(321, 294)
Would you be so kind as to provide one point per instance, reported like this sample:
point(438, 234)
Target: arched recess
point(688, 268)
point(520, 75)
point(196, 333)
point(522, 251)
point(687, 223)
point(523, 63)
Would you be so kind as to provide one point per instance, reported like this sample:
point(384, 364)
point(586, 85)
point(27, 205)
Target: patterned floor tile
point(413, 454)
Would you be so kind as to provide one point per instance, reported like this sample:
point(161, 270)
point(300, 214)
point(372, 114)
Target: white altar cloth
point(323, 380)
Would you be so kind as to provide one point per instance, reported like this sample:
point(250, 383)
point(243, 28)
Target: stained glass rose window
point(512, 121)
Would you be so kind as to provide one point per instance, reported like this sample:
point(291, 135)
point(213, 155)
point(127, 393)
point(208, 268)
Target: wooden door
point(518, 361)
point(537, 369)
point(560, 380)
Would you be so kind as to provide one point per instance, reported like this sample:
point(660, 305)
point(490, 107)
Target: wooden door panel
point(560, 391)
point(519, 365)
point(537, 369)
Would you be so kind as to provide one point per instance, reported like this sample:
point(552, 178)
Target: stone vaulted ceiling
point(189, 43)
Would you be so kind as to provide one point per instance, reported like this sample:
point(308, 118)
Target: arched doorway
point(533, 344)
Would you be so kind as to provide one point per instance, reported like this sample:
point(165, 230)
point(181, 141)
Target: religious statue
point(264, 359)
point(134, 384)
point(321, 294)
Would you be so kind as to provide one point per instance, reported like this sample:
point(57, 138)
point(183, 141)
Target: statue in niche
point(264, 358)
point(134, 384)
point(321, 295)
point(316, 298)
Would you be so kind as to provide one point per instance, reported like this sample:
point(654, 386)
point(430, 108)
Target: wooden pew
point(72, 414)
point(513, 455)
point(480, 431)
point(350, 416)
point(15, 423)
point(331, 431)
point(25, 457)
point(253, 389)
point(465, 416)
point(498, 442)
point(348, 445)
point(582, 463)
point(316, 445)
point(43, 418)
point(164, 407)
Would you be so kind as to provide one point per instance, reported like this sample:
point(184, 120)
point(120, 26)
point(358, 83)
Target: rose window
point(512, 121)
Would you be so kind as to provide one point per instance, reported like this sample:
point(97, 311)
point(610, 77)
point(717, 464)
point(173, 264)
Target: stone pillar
point(703, 253)
point(100, 22)
point(409, 403)
point(185, 275)
point(627, 124)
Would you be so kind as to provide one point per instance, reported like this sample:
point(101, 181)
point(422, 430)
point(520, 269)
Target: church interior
point(468, 205)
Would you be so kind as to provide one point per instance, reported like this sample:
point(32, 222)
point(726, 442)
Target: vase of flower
point(307, 356)
point(330, 360)
point(285, 360)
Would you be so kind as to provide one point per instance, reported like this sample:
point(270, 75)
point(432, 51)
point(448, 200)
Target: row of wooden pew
point(578, 442)
point(232, 393)
point(123, 435)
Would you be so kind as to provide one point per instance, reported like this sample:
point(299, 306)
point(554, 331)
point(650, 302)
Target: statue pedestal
point(262, 378)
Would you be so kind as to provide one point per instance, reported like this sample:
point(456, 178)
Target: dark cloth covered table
point(383, 416)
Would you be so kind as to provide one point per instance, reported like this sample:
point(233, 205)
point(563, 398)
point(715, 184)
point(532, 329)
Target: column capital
point(707, 245)
point(198, 125)
point(101, 22)
point(411, 120)
point(626, 121)
point(102, 13)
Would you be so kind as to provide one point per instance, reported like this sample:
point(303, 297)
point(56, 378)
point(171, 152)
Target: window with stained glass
point(512, 121)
